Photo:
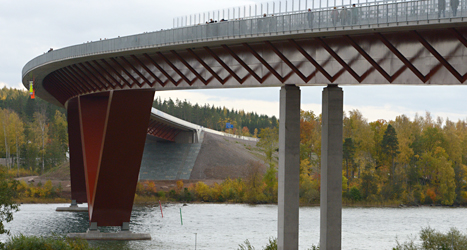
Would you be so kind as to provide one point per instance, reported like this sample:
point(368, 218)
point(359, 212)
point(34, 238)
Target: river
point(225, 226)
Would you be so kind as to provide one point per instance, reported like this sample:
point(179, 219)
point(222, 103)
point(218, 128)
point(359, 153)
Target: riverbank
point(186, 191)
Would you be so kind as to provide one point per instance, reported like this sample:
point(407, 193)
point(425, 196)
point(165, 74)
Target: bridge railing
point(354, 16)
point(273, 8)
point(280, 8)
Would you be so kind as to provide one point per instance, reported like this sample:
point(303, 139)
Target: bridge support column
point(78, 182)
point(289, 167)
point(331, 169)
point(113, 128)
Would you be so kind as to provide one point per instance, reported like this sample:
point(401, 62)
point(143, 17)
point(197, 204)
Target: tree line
point(412, 161)
point(244, 123)
point(33, 133)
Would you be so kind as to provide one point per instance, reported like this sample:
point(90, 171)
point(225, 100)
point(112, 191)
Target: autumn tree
point(268, 142)
point(5, 119)
point(348, 156)
point(378, 128)
point(310, 138)
point(17, 132)
point(58, 142)
point(41, 131)
point(357, 128)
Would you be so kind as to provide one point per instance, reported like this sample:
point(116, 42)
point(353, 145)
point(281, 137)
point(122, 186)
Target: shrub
point(21, 242)
point(246, 246)
point(431, 240)
point(355, 194)
point(272, 245)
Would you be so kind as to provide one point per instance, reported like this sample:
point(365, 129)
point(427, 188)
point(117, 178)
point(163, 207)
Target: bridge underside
point(410, 57)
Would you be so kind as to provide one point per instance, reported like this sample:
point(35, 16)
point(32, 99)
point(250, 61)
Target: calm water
point(220, 226)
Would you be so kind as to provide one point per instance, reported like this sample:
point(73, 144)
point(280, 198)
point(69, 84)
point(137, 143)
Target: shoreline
point(153, 202)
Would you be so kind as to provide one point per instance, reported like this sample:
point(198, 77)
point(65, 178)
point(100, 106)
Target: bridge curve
point(387, 43)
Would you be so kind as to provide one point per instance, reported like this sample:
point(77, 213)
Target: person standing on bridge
point(441, 8)
point(344, 15)
point(309, 17)
point(355, 14)
point(454, 5)
point(334, 16)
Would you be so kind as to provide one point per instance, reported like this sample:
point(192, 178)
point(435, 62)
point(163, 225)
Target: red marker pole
point(160, 205)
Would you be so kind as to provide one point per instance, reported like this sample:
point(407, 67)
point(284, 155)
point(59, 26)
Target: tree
point(7, 204)
point(254, 183)
point(270, 180)
point(357, 128)
point(390, 146)
point(348, 155)
point(41, 131)
point(310, 138)
point(268, 140)
point(58, 143)
point(17, 131)
point(5, 118)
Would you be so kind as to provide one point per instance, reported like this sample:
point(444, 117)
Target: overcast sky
point(29, 28)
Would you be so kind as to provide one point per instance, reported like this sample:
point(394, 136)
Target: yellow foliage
point(344, 183)
point(179, 186)
point(203, 191)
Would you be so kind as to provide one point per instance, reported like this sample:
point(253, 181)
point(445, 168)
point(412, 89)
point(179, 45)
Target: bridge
point(108, 86)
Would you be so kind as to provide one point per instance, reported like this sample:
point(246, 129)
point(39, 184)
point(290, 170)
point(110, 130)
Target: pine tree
point(390, 146)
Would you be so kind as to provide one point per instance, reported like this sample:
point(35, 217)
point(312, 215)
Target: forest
point(33, 133)
point(246, 124)
point(405, 161)
point(419, 161)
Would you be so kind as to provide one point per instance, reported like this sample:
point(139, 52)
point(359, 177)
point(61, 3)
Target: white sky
point(29, 28)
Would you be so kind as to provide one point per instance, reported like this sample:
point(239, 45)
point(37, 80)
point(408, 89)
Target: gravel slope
point(223, 157)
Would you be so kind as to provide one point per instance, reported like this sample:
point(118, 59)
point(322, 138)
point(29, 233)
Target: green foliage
point(417, 161)
point(354, 194)
point(246, 246)
point(270, 180)
point(8, 188)
point(434, 240)
point(272, 245)
point(215, 117)
point(21, 242)
point(268, 140)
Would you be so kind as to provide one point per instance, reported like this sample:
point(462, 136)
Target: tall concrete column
point(331, 169)
point(289, 167)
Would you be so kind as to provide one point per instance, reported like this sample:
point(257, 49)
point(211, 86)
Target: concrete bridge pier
point(289, 167)
point(331, 169)
point(113, 127)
